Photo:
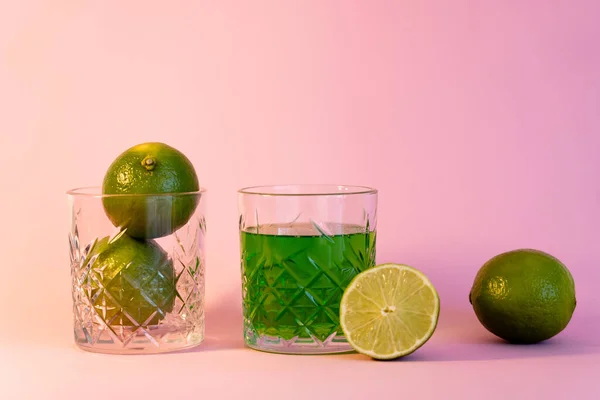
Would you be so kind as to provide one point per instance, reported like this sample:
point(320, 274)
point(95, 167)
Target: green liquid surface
point(294, 277)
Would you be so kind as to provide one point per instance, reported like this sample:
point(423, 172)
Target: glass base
point(332, 345)
point(141, 340)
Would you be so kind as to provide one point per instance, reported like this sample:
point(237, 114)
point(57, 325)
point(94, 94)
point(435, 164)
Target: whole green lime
point(155, 190)
point(523, 296)
point(132, 282)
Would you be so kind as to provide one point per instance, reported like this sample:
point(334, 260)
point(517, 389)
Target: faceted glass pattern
point(146, 305)
point(293, 285)
point(301, 245)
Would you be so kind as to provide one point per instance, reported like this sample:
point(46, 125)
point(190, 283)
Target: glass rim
point(323, 190)
point(96, 192)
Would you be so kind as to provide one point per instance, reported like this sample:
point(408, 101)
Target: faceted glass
point(301, 245)
point(135, 295)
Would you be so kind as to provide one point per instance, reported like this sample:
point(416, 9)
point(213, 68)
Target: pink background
point(478, 121)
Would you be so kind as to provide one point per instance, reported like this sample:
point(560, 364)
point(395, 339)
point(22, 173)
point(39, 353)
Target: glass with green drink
point(301, 245)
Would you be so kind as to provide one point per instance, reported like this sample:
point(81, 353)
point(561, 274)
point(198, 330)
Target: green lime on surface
point(389, 311)
point(156, 185)
point(132, 282)
point(523, 296)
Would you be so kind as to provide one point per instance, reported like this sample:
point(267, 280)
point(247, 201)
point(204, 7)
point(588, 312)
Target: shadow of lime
point(460, 337)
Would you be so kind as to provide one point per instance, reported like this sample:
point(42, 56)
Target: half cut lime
point(389, 311)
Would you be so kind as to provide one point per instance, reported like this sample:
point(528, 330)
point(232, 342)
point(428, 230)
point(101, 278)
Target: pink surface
point(476, 120)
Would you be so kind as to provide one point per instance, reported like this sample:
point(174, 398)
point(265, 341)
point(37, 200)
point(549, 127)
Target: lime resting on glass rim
point(389, 311)
point(523, 296)
point(154, 190)
point(132, 282)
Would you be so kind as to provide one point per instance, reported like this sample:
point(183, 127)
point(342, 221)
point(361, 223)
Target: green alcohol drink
point(294, 276)
point(301, 246)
